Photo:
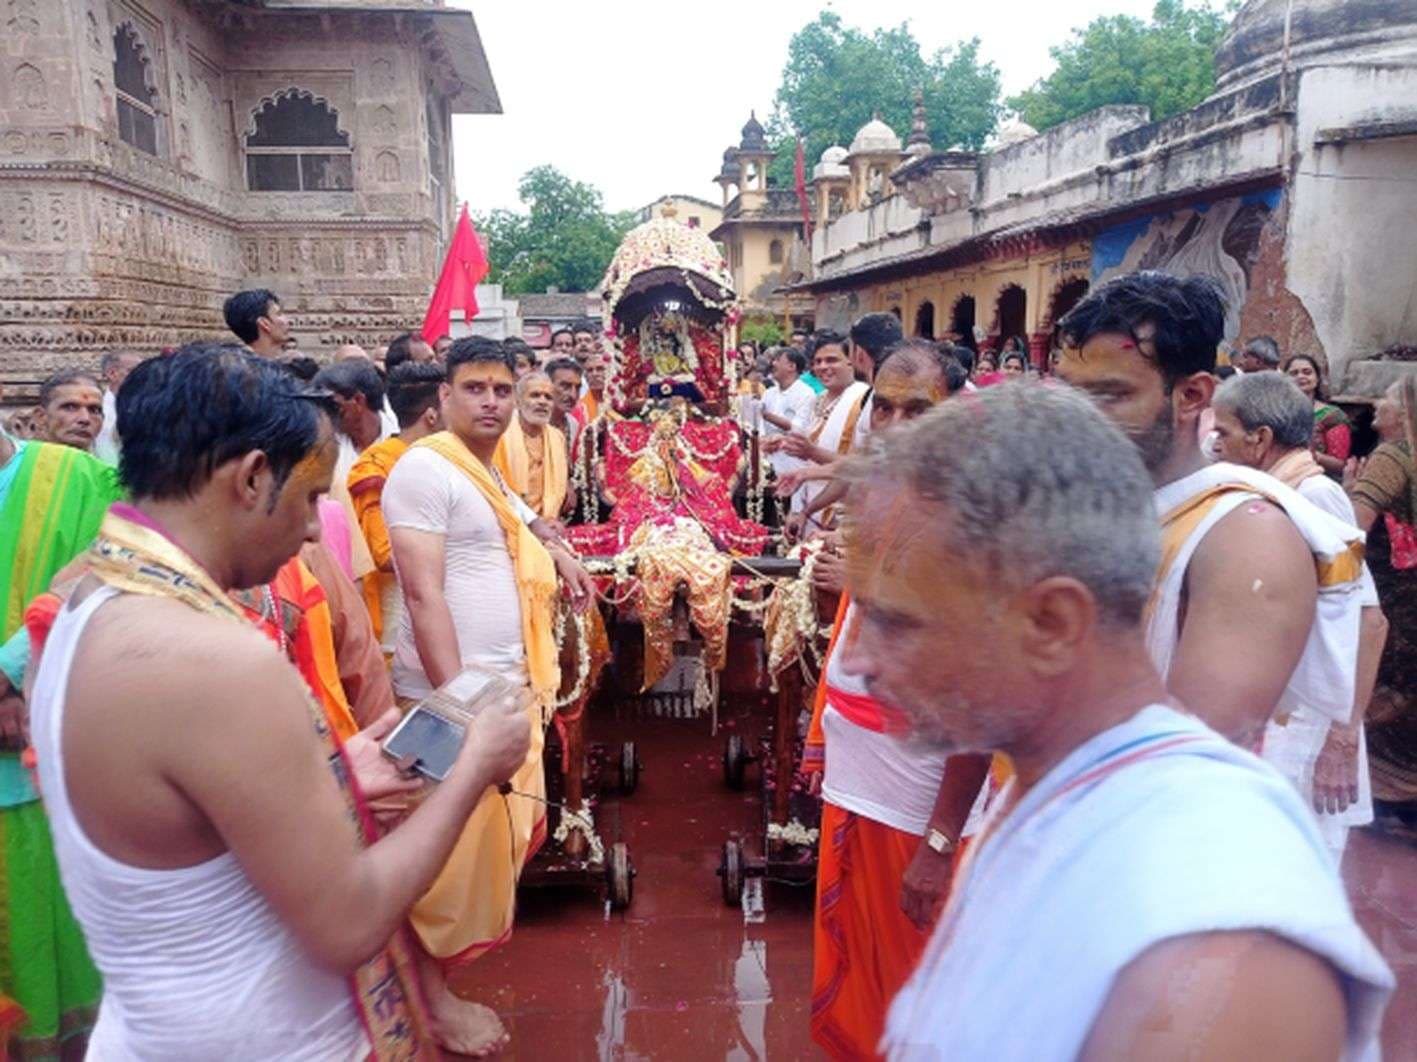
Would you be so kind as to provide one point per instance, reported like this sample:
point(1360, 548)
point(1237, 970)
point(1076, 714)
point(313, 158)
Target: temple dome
point(875, 136)
point(732, 169)
point(832, 163)
point(1015, 131)
point(754, 136)
point(1319, 31)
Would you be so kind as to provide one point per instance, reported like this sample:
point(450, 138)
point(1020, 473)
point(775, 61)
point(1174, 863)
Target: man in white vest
point(1241, 552)
point(1142, 889)
point(1263, 421)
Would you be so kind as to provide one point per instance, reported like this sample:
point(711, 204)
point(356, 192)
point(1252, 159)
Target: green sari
point(52, 500)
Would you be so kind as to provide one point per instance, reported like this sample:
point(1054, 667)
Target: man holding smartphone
point(204, 822)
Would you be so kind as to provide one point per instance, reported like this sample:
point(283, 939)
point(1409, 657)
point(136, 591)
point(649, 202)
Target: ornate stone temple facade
point(156, 155)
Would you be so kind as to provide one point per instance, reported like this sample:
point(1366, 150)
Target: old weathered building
point(1292, 185)
point(760, 231)
point(156, 155)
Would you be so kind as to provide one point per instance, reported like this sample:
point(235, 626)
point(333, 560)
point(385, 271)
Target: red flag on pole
point(464, 267)
point(800, 174)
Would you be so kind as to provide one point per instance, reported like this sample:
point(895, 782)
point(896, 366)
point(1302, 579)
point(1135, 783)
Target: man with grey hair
point(1261, 354)
point(114, 368)
point(532, 453)
point(1016, 528)
point(1263, 421)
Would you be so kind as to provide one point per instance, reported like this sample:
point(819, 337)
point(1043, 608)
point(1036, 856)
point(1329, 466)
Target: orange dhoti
point(864, 948)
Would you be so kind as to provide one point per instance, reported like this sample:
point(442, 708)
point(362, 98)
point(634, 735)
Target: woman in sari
point(1333, 432)
point(1384, 493)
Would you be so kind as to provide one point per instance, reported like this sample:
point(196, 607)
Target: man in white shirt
point(1263, 421)
point(787, 407)
point(1002, 554)
point(114, 367)
point(478, 589)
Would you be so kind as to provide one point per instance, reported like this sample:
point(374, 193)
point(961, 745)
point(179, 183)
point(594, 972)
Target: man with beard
point(1142, 888)
point(566, 376)
point(1240, 551)
point(531, 454)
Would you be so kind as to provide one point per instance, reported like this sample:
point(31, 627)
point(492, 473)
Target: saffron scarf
point(534, 569)
point(138, 559)
point(513, 460)
point(1295, 467)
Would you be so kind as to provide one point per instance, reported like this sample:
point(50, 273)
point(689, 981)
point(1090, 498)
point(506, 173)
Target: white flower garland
point(582, 822)
point(582, 656)
point(798, 616)
point(793, 833)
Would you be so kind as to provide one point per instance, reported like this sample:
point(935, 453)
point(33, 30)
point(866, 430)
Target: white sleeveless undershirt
point(195, 962)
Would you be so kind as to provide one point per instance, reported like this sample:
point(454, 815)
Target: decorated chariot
point(697, 608)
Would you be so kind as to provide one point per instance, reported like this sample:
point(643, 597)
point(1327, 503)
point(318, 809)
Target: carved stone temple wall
point(130, 201)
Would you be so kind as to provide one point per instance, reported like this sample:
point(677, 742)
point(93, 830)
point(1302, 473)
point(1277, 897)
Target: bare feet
point(466, 1028)
point(460, 1027)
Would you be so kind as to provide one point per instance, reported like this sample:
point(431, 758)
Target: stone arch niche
point(294, 143)
point(1066, 294)
point(1010, 316)
point(962, 321)
point(925, 320)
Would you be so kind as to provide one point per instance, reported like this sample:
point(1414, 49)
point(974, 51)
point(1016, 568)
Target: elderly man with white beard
point(532, 454)
point(1143, 888)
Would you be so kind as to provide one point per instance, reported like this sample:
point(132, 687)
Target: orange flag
point(464, 267)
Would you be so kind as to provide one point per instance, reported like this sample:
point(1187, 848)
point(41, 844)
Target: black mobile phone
point(431, 739)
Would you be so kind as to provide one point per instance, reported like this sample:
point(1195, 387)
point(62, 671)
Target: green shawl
point(49, 515)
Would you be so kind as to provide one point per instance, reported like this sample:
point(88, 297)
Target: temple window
point(775, 252)
point(296, 145)
point(137, 98)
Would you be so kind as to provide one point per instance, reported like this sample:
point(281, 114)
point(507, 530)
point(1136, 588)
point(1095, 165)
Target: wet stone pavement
point(681, 976)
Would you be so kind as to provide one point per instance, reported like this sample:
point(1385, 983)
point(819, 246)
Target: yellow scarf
point(1295, 467)
point(141, 560)
point(514, 462)
point(535, 571)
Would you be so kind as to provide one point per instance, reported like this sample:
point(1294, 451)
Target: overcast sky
point(640, 99)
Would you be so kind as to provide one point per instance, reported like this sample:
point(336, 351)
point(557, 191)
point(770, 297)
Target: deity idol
point(666, 452)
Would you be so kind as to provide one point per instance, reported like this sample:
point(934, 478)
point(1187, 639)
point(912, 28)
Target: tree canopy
point(564, 239)
point(837, 77)
point(1167, 64)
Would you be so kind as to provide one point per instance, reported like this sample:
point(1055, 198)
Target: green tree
point(564, 239)
point(837, 77)
point(764, 331)
point(1167, 64)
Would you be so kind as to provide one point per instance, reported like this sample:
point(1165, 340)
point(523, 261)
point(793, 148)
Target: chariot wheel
point(620, 876)
point(735, 761)
point(629, 768)
point(730, 869)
